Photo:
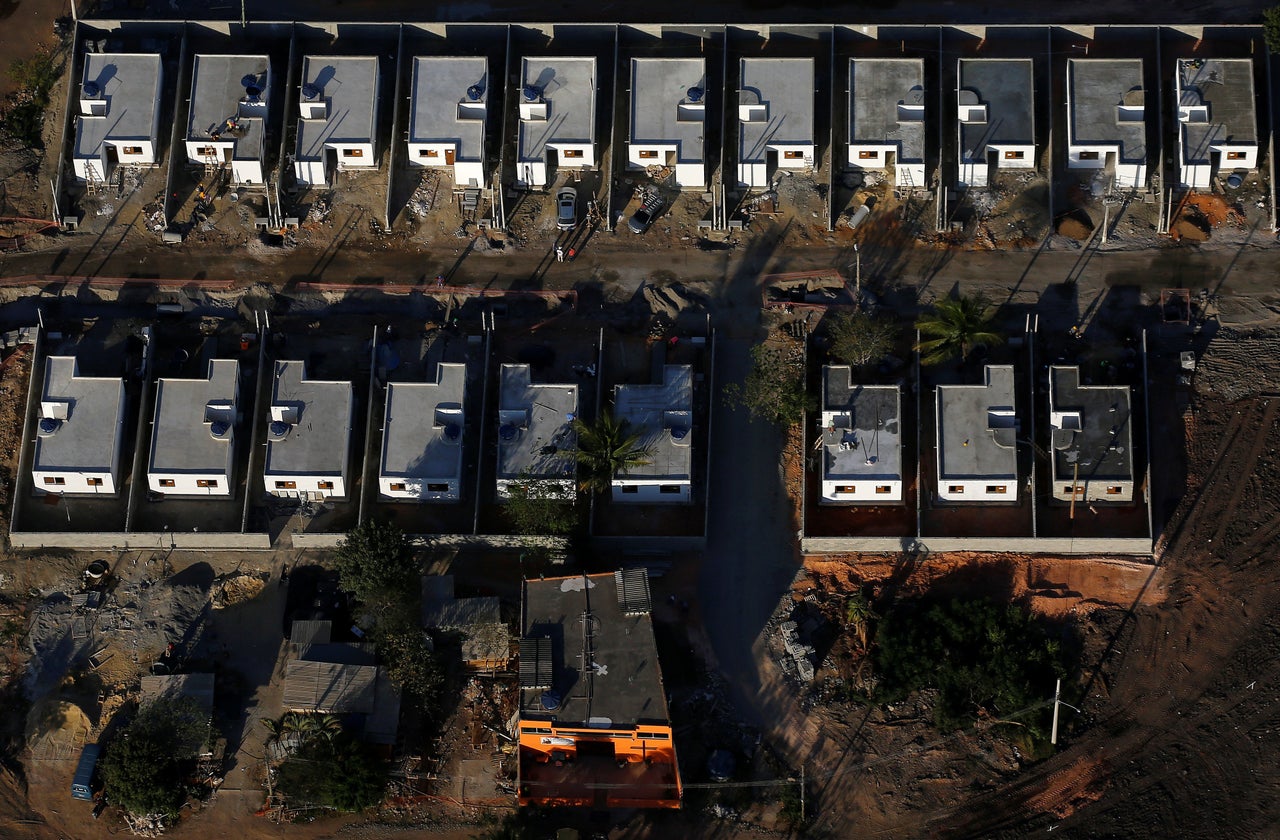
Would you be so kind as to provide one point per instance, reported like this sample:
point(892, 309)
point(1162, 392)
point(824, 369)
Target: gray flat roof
point(785, 85)
point(317, 444)
point(1098, 87)
point(1005, 86)
point(973, 441)
point(877, 86)
point(86, 442)
point(442, 608)
point(1226, 86)
point(653, 410)
point(568, 87)
point(1103, 443)
point(625, 684)
point(216, 91)
point(542, 417)
point(350, 86)
point(130, 84)
point(180, 437)
point(658, 87)
point(868, 417)
point(414, 443)
point(440, 83)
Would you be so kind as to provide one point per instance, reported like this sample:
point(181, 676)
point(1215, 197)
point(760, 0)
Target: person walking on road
point(559, 253)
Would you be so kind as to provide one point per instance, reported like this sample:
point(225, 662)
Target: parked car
point(567, 208)
point(649, 210)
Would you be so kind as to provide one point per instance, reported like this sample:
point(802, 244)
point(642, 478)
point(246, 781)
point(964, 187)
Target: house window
point(571, 153)
point(956, 489)
point(1236, 155)
point(324, 485)
point(167, 482)
point(846, 488)
point(997, 488)
point(1114, 490)
point(131, 150)
point(286, 485)
point(630, 488)
point(883, 489)
point(397, 488)
point(428, 153)
point(353, 152)
point(648, 153)
point(206, 482)
point(1067, 488)
point(792, 155)
point(669, 488)
point(1014, 155)
point(55, 480)
point(93, 482)
point(437, 488)
point(1088, 155)
point(868, 155)
point(205, 151)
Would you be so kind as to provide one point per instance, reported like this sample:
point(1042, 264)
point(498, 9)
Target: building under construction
point(594, 727)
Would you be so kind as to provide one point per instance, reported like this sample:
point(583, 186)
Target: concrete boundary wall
point(496, 541)
point(159, 540)
point(1138, 546)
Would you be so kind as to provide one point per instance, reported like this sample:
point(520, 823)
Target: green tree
point(607, 447)
point(337, 773)
point(377, 565)
point(775, 388)
point(1271, 29)
point(858, 338)
point(530, 514)
point(955, 327)
point(859, 615)
point(145, 763)
point(409, 659)
point(982, 658)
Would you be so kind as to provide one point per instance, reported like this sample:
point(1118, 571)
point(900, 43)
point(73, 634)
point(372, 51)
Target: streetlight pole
point(1058, 701)
point(857, 275)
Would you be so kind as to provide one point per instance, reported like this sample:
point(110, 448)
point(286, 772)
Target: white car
point(566, 208)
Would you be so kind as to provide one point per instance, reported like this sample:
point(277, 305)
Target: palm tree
point(954, 328)
point(606, 448)
point(859, 615)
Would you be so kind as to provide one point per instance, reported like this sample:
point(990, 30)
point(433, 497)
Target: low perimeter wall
point(1022, 545)
point(157, 540)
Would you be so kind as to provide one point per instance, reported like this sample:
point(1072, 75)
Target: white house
point(337, 117)
point(977, 439)
point(861, 437)
point(1091, 439)
point(995, 117)
point(422, 433)
point(447, 119)
point(308, 435)
point(119, 117)
point(193, 433)
point(662, 415)
point(228, 116)
point(1217, 118)
point(668, 117)
point(1106, 118)
point(535, 435)
point(557, 105)
point(886, 118)
point(775, 118)
point(80, 431)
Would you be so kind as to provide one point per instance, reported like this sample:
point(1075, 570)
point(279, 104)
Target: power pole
point(802, 794)
point(1058, 701)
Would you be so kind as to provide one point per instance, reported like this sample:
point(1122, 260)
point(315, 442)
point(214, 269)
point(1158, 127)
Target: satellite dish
point(532, 93)
point(452, 431)
point(474, 93)
point(679, 432)
point(92, 89)
point(278, 429)
point(219, 428)
point(48, 426)
point(310, 91)
point(695, 94)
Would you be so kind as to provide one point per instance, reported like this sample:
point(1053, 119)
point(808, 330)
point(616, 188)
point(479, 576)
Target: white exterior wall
point(365, 161)
point(978, 489)
point(587, 161)
point(75, 483)
point(415, 489)
point(861, 490)
point(1093, 490)
point(905, 174)
point(187, 484)
point(309, 172)
point(81, 166)
point(146, 156)
point(1198, 176)
point(753, 174)
point(247, 172)
point(973, 174)
point(756, 173)
point(649, 491)
point(547, 488)
point(305, 484)
point(225, 150)
point(531, 173)
point(1027, 161)
point(465, 172)
point(688, 175)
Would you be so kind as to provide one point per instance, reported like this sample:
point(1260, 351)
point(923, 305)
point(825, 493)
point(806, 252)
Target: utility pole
point(1058, 701)
point(802, 794)
point(857, 275)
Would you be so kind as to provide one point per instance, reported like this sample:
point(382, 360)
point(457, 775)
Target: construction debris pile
point(424, 197)
point(800, 663)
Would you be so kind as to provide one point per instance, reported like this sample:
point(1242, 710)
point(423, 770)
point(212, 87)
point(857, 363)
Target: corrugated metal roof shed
point(329, 687)
point(198, 687)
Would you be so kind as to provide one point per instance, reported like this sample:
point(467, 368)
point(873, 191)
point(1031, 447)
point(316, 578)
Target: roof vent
point(310, 92)
point(679, 432)
point(507, 432)
point(92, 89)
point(452, 432)
point(474, 93)
point(48, 427)
point(220, 430)
point(532, 93)
point(695, 94)
point(550, 701)
point(278, 430)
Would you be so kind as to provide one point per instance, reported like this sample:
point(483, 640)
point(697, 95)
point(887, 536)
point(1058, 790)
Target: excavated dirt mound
point(235, 589)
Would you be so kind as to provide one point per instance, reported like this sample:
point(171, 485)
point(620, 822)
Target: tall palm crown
point(606, 447)
point(954, 328)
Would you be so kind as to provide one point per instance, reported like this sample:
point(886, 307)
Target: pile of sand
point(237, 588)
